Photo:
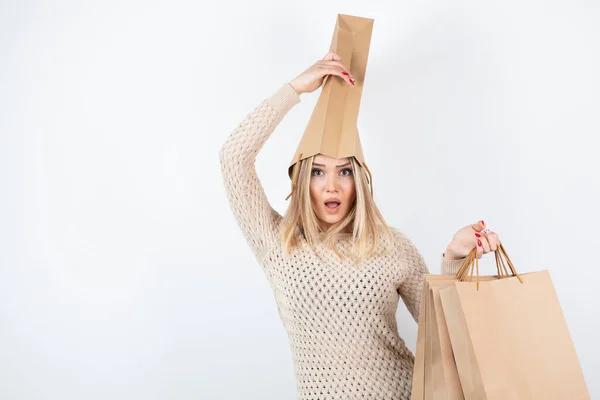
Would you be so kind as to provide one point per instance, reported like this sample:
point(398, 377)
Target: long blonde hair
point(364, 217)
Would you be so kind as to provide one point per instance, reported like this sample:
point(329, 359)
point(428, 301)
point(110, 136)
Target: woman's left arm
point(412, 283)
point(450, 267)
point(460, 246)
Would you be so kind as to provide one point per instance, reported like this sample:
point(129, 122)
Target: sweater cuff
point(451, 267)
point(284, 98)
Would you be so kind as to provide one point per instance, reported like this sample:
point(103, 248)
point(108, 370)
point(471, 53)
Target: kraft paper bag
point(333, 126)
point(419, 375)
point(509, 336)
point(428, 379)
point(418, 378)
point(431, 350)
point(446, 382)
point(462, 347)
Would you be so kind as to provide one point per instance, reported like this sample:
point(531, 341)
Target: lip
point(333, 210)
point(332, 199)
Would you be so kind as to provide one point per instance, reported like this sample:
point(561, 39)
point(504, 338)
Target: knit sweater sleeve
point(412, 285)
point(248, 202)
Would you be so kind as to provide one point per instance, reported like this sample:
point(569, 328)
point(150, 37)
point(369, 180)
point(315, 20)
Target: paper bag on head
point(332, 129)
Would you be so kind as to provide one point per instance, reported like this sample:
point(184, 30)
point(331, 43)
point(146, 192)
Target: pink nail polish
point(479, 242)
point(345, 73)
point(478, 235)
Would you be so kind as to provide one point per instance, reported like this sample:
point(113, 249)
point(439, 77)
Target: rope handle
point(466, 269)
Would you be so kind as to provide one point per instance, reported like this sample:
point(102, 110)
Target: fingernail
point(482, 222)
point(352, 82)
point(345, 73)
point(479, 242)
point(478, 235)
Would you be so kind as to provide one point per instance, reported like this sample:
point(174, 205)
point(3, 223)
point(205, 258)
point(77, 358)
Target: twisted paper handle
point(466, 269)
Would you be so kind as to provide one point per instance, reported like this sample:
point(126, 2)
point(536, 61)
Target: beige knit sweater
point(340, 319)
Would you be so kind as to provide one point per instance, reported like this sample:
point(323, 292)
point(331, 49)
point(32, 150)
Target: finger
point(339, 72)
point(340, 65)
point(479, 226)
point(479, 246)
point(493, 240)
point(334, 62)
point(485, 244)
point(332, 56)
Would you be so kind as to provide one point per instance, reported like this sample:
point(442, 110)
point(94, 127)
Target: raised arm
point(255, 216)
point(251, 209)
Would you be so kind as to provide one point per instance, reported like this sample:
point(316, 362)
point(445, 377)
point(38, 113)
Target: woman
point(335, 267)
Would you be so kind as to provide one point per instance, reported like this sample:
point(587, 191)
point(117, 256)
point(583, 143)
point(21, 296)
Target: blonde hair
point(365, 218)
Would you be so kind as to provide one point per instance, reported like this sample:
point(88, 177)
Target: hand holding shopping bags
point(506, 333)
point(476, 236)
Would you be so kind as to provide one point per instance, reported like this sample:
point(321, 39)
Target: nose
point(332, 183)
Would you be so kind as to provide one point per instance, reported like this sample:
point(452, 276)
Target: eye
point(349, 171)
point(314, 171)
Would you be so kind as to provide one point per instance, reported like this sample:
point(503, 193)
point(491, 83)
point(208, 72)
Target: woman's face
point(332, 190)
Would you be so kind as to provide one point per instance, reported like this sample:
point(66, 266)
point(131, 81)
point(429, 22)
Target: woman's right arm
point(251, 209)
point(255, 216)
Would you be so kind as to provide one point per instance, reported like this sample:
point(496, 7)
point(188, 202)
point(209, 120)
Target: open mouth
point(332, 205)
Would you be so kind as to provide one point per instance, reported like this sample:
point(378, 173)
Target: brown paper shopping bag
point(418, 378)
point(509, 335)
point(445, 380)
point(439, 358)
point(434, 374)
point(333, 126)
point(422, 383)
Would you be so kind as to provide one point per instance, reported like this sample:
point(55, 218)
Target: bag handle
point(466, 269)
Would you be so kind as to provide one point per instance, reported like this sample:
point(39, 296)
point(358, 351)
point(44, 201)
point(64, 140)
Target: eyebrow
point(339, 166)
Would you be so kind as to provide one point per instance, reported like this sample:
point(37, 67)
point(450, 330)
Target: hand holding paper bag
point(498, 337)
point(332, 129)
point(509, 336)
point(312, 79)
point(469, 238)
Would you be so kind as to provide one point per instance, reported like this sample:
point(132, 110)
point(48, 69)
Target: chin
point(332, 219)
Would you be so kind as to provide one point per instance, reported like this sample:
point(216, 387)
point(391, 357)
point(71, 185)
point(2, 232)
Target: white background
point(123, 274)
